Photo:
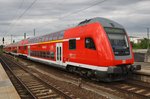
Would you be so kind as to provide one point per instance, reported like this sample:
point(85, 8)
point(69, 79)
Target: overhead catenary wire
point(21, 15)
point(15, 17)
point(75, 12)
point(24, 12)
point(64, 16)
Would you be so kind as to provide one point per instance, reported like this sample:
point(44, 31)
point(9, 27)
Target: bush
point(142, 45)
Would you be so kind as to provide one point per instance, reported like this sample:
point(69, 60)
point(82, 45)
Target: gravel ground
point(71, 83)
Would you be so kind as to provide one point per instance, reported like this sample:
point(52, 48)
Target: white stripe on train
point(63, 65)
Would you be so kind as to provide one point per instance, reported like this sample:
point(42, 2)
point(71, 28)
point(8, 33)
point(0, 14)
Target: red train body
point(97, 47)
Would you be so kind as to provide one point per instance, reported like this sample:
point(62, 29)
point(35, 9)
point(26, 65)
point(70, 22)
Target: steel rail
point(52, 87)
point(17, 78)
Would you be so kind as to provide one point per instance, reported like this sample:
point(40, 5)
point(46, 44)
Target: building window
point(72, 44)
point(89, 43)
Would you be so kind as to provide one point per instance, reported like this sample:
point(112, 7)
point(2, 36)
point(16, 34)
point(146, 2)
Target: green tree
point(142, 45)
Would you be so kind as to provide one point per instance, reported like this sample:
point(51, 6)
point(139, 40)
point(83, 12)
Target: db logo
point(123, 61)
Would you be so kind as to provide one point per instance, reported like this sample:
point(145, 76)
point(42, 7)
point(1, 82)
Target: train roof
point(105, 22)
point(19, 43)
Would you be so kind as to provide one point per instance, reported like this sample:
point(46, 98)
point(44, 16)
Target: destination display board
point(113, 30)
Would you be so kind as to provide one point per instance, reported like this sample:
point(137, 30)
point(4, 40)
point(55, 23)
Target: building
point(135, 39)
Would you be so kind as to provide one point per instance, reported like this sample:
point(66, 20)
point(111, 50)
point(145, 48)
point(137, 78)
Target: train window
point(89, 43)
point(50, 37)
point(43, 39)
point(40, 54)
point(48, 55)
point(34, 53)
point(32, 41)
point(44, 54)
point(61, 35)
point(31, 53)
point(55, 36)
point(46, 38)
point(52, 55)
point(37, 40)
point(25, 47)
point(40, 39)
point(37, 53)
point(72, 44)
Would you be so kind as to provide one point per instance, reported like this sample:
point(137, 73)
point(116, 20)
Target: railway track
point(29, 85)
point(141, 77)
point(127, 89)
point(132, 89)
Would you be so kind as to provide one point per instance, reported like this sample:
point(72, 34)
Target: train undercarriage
point(114, 73)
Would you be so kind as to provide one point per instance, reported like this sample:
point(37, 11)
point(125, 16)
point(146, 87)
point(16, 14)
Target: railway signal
point(3, 40)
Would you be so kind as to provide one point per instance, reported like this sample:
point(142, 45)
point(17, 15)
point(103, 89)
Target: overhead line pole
point(34, 32)
point(11, 37)
point(148, 38)
point(78, 11)
point(22, 14)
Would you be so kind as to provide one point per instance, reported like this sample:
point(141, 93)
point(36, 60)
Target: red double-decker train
point(97, 47)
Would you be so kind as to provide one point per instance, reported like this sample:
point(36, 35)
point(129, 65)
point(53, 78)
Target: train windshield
point(118, 40)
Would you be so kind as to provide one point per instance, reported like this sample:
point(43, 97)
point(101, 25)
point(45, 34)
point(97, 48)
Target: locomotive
point(96, 48)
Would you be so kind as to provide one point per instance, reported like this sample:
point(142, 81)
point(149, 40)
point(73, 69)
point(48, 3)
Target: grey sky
point(47, 16)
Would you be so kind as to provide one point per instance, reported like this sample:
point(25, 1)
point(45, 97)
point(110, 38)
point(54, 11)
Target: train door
point(29, 50)
point(59, 53)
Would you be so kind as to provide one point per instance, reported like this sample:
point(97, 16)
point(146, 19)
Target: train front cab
point(119, 55)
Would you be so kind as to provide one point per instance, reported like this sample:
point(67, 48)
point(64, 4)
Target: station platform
point(7, 90)
point(145, 68)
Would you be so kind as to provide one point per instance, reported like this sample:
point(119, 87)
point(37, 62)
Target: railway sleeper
point(40, 88)
point(45, 93)
point(48, 96)
point(44, 90)
point(35, 86)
